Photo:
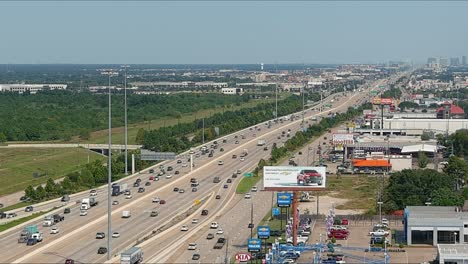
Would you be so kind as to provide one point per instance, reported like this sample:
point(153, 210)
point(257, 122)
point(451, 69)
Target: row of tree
point(89, 176)
point(417, 187)
point(182, 136)
point(315, 130)
point(60, 115)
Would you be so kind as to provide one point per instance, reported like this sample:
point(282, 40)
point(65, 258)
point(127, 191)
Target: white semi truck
point(132, 255)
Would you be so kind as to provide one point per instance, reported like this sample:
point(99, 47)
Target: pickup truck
point(220, 243)
point(379, 232)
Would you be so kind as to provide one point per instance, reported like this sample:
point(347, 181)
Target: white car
point(115, 234)
point(220, 231)
point(184, 165)
point(156, 200)
point(169, 176)
point(54, 230)
point(184, 228)
point(242, 159)
point(254, 189)
point(128, 196)
point(220, 162)
point(192, 246)
point(115, 202)
point(83, 212)
point(194, 221)
point(247, 196)
point(378, 232)
point(214, 225)
point(93, 192)
point(385, 221)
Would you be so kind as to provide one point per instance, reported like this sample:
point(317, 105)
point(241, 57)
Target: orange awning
point(371, 163)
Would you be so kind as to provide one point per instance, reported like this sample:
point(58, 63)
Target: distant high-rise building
point(431, 60)
point(454, 61)
point(463, 60)
point(443, 62)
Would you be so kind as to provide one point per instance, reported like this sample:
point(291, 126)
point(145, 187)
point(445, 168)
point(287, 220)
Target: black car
point(195, 256)
point(169, 168)
point(102, 250)
point(194, 189)
point(218, 197)
point(176, 189)
point(136, 184)
point(210, 155)
point(150, 171)
point(28, 209)
point(179, 161)
point(234, 175)
point(229, 181)
point(204, 212)
point(141, 190)
point(221, 149)
point(176, 172)
point(225, 186)
point(147, 183)
point(66, 210)
point(138, 180)
point(31, 242)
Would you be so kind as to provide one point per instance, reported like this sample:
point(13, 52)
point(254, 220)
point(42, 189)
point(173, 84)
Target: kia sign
point(243, 257)
point(263, 232)
point(284, 199)
point(290, 178)
point(254, 244)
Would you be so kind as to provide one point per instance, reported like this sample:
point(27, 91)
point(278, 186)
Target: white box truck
point(132, 255)
point(126, 214)
point(85, 204)
point(261, 142)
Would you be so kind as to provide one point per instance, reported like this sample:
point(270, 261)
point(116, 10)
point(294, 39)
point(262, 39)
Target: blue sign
point(284, 199)
point(276, 211)
point(263, 232)
point(254, 244)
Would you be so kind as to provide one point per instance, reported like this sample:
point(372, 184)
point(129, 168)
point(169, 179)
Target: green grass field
point(18, 165)
point(118, 132)
point(359, 190)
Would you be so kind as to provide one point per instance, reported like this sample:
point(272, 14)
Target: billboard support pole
point(317, 203)
point(294, 209)
point(281, 218)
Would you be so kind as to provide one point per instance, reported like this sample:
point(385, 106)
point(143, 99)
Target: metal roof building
point(452, 253)
point(435, 225)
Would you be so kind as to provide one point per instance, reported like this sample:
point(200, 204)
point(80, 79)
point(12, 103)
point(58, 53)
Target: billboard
point(254, 244)
point(263, 232)
point(289, 178)
point(343, 139)
point(284, 199)
point(382, 101)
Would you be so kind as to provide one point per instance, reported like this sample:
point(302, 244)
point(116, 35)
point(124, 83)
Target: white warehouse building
point(31, 88)
point(232, 90)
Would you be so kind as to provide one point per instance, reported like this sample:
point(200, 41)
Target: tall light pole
point(380, 210)
point(126, 128)
point(276, 103)
point(109, 73)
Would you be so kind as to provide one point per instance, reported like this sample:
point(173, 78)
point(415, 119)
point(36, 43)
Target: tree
point(425, 137)
point(446, 197)
point(457, 169)
point(30, 193)
point(50, 188)
point(422, 160)
point(40, 193)
point(140, 137)
point(3, 138)
point(87, 178)
point(67, 185)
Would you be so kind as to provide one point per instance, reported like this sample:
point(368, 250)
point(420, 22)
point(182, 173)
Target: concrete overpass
point(100, 148)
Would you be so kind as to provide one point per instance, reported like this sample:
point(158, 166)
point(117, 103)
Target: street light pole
point(109, 171)
point(380, 210)
point(126, 128)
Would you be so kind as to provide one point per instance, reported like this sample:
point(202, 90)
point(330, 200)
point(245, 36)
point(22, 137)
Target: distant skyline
point(240, 32)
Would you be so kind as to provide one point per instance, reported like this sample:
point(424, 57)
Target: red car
point(338, 235)
point(162, 202)
point(344, 222)
point(309, 177)
point(151, 178)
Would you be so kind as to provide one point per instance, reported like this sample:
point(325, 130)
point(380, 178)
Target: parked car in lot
point(379, 232)
point(338, 235)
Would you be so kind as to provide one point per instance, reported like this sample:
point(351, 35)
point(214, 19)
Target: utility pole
point(109, 73)
point(251, 218)
point(303, 105)
point(203, 131)
point(126, 128)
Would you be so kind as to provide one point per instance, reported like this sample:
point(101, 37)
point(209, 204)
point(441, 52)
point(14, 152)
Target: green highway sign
point(381, 86)
point(248, 174)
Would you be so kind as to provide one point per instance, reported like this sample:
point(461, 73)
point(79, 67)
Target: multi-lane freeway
point(76, 239)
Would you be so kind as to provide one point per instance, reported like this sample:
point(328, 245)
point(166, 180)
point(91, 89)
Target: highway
point(76, 239)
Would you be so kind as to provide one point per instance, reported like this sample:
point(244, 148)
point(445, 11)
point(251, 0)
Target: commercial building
point(435, 225)
point(31, 88)
point(463, 60)
point(450, 111)
point(454, 61)
point(456, 253)
point(232, 90)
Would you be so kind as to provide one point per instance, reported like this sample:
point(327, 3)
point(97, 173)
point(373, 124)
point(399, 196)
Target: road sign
point(152, 155)
point(254, 244)
point(243, 257)
point(263, 232)
point(276, 211)
point(248, 174)
point(284, 199)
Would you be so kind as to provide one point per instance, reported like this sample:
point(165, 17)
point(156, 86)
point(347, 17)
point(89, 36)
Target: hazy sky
point(230, 32)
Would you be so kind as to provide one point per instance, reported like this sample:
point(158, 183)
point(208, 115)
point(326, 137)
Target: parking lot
point(358, 241)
